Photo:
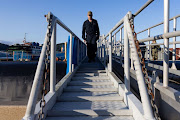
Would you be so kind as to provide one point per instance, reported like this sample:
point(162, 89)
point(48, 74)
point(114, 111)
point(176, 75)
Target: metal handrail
point(106, 45)
point(158, 24)
point(145, 99)
point(41, 64)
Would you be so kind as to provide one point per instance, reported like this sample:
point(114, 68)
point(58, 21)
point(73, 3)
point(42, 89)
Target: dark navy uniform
point(92, 35)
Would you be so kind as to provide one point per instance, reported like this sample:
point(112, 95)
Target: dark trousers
point(91, 50)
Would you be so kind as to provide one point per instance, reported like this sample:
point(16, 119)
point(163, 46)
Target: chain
point(144, 70)
point(41, 115)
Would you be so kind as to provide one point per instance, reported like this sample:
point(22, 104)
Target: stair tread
point(86, 112)
point(89, 98)
point(92, 80)
point(90, 94)
point(94, 77)
point(95, 105)
point(91, 71)
point(91, 89)
point(78, 83)
point(92, 86)
point(92, 118)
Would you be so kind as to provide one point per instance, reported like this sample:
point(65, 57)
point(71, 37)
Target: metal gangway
point(92, 91)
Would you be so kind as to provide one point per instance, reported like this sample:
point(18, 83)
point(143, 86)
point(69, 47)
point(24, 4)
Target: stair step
point(91, 71)
point(91, 78)
point(81, 83)
point(92, 86)
point(90, 89)
point(88, 80)
point(91, 74)
point(59, 113)
point(93, 105)
point(72, 94)
point(92, 118)
point(88, 98)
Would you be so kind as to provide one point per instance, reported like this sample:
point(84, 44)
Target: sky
point(27, 16)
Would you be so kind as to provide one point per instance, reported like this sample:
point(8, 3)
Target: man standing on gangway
point(91, 28)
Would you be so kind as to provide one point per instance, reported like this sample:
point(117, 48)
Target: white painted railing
point(126, 45)
point(51, 31)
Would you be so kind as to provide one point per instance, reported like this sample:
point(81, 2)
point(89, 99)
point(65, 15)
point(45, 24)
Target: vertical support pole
point(149, 50)
point(126, 59)
point(132, 67)
point(65, 45)
point(81, 51)
point(174, 47)
point(148, 114)
point(110, 52)
point(115, 46)
point(78, 51)
point(101, 49)
point(166, 45)
point(104, 50)
point(70, 54)
point(53, 61)
point(120, 31)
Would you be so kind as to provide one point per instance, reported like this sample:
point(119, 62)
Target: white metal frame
point(127, 32)
point(33, 108)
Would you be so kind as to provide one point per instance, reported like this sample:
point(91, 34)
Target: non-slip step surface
point(90, 94)
point(92, 118)
point(89, 98)
point(90, 89)
point(91, 74)
point(91, 71)
point(92, 86)
point(95, 105)
point(81, 83)
point(59, 113)
point(91, 78)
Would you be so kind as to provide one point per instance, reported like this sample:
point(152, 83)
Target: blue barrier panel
point(74, 58)
point(67, 53)
point(75, 53)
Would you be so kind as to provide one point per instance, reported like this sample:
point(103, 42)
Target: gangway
point(92, 90)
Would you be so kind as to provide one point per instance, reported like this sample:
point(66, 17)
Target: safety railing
point(49, 51)
point(124, 49)
point(105, 47)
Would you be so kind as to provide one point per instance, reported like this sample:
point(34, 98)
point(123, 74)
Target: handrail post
point(81, 51)
point(36, 84)
point(120, 31)
point(166, 45)
point(110, 52)
point(53, 60)
point(70, 54)
point(104, 50)
point(174, 46)
point(148, 114)
point(78, 52)
point(126, 60)
point(149, 50)
point(100, 49)
point(115, 46)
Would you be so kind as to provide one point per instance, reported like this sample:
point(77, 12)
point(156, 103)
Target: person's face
point(89, 17)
